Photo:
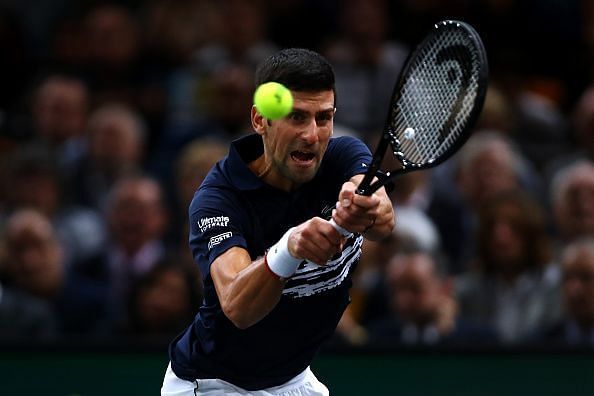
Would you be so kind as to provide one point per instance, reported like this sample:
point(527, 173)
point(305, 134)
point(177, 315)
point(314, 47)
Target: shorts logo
point(215, 240)
point(207, 223)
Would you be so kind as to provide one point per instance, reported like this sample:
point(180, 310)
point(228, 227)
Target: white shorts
point(304, 384)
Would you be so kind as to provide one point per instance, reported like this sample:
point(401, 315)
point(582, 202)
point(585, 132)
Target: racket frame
point(388, 137)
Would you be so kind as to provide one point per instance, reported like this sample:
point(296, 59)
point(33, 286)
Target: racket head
point(436, 101)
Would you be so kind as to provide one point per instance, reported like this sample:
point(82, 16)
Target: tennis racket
point(435, 103)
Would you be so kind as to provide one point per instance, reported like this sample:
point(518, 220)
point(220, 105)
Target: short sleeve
point(352, 154)
point(216, 225)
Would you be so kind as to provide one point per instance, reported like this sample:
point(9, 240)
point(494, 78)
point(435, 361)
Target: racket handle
point(341, 230)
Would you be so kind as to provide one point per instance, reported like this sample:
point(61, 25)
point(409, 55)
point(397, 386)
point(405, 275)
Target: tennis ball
point(273, 100)
point(409, 133)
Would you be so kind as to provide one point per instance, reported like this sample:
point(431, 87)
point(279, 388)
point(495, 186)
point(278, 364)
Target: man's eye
point(297, 117)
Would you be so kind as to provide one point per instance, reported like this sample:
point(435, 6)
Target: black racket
point(435, 103)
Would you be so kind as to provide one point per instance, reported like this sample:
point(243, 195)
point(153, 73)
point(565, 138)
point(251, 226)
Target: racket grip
point(341, 230)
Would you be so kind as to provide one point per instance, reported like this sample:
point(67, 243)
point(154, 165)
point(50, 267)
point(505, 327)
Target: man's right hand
point(315, 240)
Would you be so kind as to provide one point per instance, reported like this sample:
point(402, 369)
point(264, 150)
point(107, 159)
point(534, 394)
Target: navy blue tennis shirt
point(233, 207)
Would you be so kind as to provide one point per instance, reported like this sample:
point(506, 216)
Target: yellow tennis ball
point(273, 100)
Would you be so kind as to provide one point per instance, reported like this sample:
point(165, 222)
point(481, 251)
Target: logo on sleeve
point(206, 223)
point(215, 240)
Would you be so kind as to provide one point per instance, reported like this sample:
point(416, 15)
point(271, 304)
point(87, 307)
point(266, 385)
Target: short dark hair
point(298, 69)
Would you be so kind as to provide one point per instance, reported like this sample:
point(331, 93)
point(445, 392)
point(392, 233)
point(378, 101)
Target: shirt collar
point(243, 151)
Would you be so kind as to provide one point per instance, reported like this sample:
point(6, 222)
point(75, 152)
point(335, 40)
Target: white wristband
point(279, 260)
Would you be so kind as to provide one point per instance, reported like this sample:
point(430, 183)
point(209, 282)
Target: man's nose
point(311, 133)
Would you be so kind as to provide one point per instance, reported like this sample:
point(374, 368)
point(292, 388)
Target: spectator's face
point(243, 27)
point(577, 217)
point(364, 21)
point(115, 147)
point(60, 110)
point(112, 37)
point(488, 174)
point(164, 304)
point(578, 286)
point(37, 190)
point(414, 288)
point(506, 243)
point(294, 145)
point(231, 96)
point(137, 215)
point(34, 257)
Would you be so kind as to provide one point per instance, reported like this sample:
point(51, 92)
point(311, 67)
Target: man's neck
point(263, 169)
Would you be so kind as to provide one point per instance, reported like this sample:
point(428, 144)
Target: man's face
point(34, 256)
point(579, 204)
point(578, 286)
point(414, 288)
point(295, 145)
point(506, 242)
point(136, 215)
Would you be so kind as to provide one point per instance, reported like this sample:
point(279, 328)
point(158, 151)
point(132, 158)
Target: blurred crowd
point(112, 113)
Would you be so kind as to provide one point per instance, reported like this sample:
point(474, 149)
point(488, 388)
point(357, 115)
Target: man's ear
point(259, 122)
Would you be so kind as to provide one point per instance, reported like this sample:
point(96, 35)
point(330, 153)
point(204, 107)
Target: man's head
point(116, 138)
point(33, 254)
point(60, 108)
point(578, 281)
point(165, 298)
point(573, 200)
point(298, 69)
point(295, 144)
point(488, 165)
point(33, 181)
point(415, 287)
point(512, 235)
point(136, 213)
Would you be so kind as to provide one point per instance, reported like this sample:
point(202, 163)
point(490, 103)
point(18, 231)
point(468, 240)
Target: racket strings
point(437, 98)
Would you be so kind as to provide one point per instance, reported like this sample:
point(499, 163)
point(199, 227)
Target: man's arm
point(373, 216)
point(248, 290)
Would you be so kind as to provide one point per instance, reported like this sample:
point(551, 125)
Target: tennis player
point(276, 272)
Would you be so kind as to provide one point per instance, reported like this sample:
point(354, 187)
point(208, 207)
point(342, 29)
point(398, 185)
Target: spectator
point(366, 64)
point(35, 264)
point(572, 193)
point(60, 112)
point(137, 220)
point(582, 122)
point(577, 326)
point(226, 94)
point(487, 165)
point(116, 70)
point(34, 181)
point(513, 286)
point(193, 165)
point(112, 37)
point(172, 34)
point(423, 312)
point(164, 301)
point(369, 294)
point(242, 38)
point(207, 98)
point(25, 317)
point(34, 256)
point(115, 148)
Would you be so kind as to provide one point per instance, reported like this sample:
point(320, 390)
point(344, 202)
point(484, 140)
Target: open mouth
point(302, 156)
